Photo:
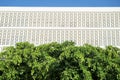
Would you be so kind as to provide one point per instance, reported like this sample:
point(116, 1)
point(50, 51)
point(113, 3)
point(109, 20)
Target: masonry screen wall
point(59, 19)
point(99, 27)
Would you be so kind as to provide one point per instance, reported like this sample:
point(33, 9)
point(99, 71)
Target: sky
point(61, 3)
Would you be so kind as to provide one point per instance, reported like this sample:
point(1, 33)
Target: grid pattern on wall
point(59, 19)
point(98, 27)
point(40, 36)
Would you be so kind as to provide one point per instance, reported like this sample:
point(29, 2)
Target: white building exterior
point(99, 26)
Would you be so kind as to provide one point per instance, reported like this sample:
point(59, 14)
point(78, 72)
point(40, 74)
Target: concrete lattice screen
point(39, 25)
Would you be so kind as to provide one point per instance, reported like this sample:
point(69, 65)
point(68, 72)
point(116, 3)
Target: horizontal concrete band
point(105, 9)
point(71, 28)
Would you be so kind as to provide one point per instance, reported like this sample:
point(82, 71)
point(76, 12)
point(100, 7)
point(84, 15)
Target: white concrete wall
point(99, 26)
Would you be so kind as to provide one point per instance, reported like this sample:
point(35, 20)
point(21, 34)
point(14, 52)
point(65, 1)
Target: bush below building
point(59, 61)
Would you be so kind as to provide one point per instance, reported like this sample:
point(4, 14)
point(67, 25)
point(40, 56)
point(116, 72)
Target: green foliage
point(55, 61)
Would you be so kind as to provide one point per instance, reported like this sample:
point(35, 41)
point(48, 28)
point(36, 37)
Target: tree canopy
point(59, 61)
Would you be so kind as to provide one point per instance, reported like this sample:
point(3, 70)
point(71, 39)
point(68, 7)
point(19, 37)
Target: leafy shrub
point(55, 61)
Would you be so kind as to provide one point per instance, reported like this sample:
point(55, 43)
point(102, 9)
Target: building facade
point(93, 25)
